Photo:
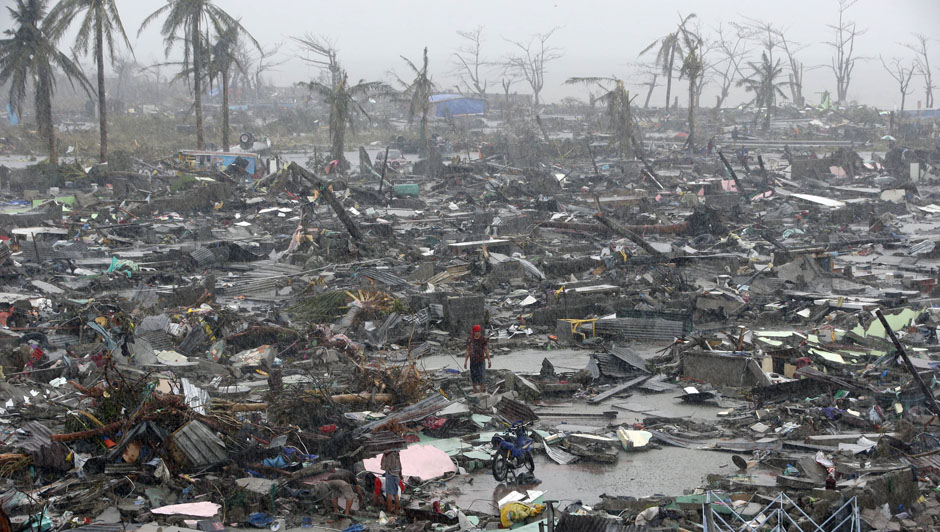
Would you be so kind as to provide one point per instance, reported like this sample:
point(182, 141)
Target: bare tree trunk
point(691, 113)
point(338, 146)
point(102, 104)
point(669, 80)
point(197, 86)
point(649, 93)
point(225, 127)
point(628, 150)
point(424, 133)
point(44, 118)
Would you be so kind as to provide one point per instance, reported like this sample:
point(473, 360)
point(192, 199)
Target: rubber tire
point(500, 467)
point(529, 462)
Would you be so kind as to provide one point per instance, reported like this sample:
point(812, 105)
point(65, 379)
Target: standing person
point(478, 353)
point(391, 464)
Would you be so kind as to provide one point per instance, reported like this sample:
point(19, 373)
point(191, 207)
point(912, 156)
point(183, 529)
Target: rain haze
point(595, 38)
point(460, 266)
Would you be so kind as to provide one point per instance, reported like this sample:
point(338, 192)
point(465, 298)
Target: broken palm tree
point(624, 232)
point(325, 190)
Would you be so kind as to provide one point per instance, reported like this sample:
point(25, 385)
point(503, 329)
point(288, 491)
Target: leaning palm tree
point(29, 55)
point(670, 45)
point(186, 20)
point(342, 98)
point(101, 21)
point(762, 83)
point(619, 110)
point(419, 93)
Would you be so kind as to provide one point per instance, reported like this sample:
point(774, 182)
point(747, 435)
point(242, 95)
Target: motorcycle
point(512, 450)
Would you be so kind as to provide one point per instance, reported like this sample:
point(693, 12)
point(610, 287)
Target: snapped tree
point(343, 99)
point(843, 44)
point(923, 66)
point(418, 93)
point(619, 110)
point(469, 62)
point(900, 73)
point(732, 49)
point(530, 59)
point(669, 46)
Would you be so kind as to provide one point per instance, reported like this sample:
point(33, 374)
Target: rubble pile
point(187, 345)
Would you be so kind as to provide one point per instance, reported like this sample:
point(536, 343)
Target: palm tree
point(223, 56)
point(762, 82)
point(342, 98)
point(101, 20)
point(29, 54)
point(185, 21)
point(619, 110)
point(692, 69)
point(419, 93)
point(669, 46)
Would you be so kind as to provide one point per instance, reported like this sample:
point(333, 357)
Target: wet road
point(669, 470)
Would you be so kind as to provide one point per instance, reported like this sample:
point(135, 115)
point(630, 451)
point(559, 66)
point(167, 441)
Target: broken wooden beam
point(734, 176)
point(326, 191)
point(623, 231)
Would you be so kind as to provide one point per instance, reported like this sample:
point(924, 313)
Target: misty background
point(596, 38)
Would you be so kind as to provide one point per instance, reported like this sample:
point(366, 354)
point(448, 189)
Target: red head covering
point(477, 328)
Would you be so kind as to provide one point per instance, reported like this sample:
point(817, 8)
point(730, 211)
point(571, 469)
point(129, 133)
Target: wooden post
point(928, 394)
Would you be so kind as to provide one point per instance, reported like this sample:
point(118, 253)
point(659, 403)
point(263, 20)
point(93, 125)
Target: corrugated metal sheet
point(512, 410)
point(36, 440)
point(153, 323)
point(420, 410)
point(383, 277)
point(925, 461)
point(630, 357)
point(158, 340)
point(560, 456)
point(60, 340)
point(379, 442)
point(199, 444)
point(612, 366)
point(640, 328)
point(203, 256)
point(595, 523)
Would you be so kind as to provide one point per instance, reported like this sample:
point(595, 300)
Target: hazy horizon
point(598, 38)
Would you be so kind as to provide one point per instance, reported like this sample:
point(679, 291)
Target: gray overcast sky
point(598, 37)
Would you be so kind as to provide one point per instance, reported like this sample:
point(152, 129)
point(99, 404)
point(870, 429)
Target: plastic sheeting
point(422, 461)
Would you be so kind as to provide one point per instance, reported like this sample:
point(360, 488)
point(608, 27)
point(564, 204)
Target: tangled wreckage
point(208, 345)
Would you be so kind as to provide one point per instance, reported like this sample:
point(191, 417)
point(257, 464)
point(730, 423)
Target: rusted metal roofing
point(512, 410)
point(924, 461)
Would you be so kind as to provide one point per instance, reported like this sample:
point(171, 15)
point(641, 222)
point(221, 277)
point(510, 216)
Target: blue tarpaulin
point(457, 105)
